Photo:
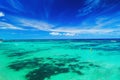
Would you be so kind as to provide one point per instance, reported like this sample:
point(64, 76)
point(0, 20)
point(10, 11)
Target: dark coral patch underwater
point(46, 67)
point(45, 72)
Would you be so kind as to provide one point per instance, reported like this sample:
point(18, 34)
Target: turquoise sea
point(60, 59)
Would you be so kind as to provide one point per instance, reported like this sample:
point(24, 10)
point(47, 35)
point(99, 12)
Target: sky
point(59, 19)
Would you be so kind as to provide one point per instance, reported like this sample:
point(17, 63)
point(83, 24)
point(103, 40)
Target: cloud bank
point(60, 30)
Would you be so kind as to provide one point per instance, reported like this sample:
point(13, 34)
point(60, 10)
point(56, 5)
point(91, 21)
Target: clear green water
point(60, 60)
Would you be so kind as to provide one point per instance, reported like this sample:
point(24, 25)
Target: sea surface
point(60, 59)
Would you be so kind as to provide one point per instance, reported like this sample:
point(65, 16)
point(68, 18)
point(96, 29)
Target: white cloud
point(55, 33)
point(4, 25)
point(62, 34)
point(69, 34)
point(2, 14)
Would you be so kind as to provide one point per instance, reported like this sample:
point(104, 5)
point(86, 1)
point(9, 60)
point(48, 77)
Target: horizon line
point(61, 39)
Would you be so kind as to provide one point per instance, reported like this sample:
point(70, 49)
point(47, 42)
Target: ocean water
point(60, 60)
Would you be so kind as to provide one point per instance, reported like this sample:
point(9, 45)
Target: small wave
point(113, 41)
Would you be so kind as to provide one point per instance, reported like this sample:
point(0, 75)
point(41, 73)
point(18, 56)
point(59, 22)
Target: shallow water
point(60, 60)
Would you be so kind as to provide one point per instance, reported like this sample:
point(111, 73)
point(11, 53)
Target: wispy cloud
point(4, 25)
point(13, 6)
point(40, 25)
point(16, 4)
point(89, 6)
point(102, 22)
point(81, 31)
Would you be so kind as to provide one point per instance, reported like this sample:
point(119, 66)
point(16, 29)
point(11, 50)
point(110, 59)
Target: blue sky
point(57, 19)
